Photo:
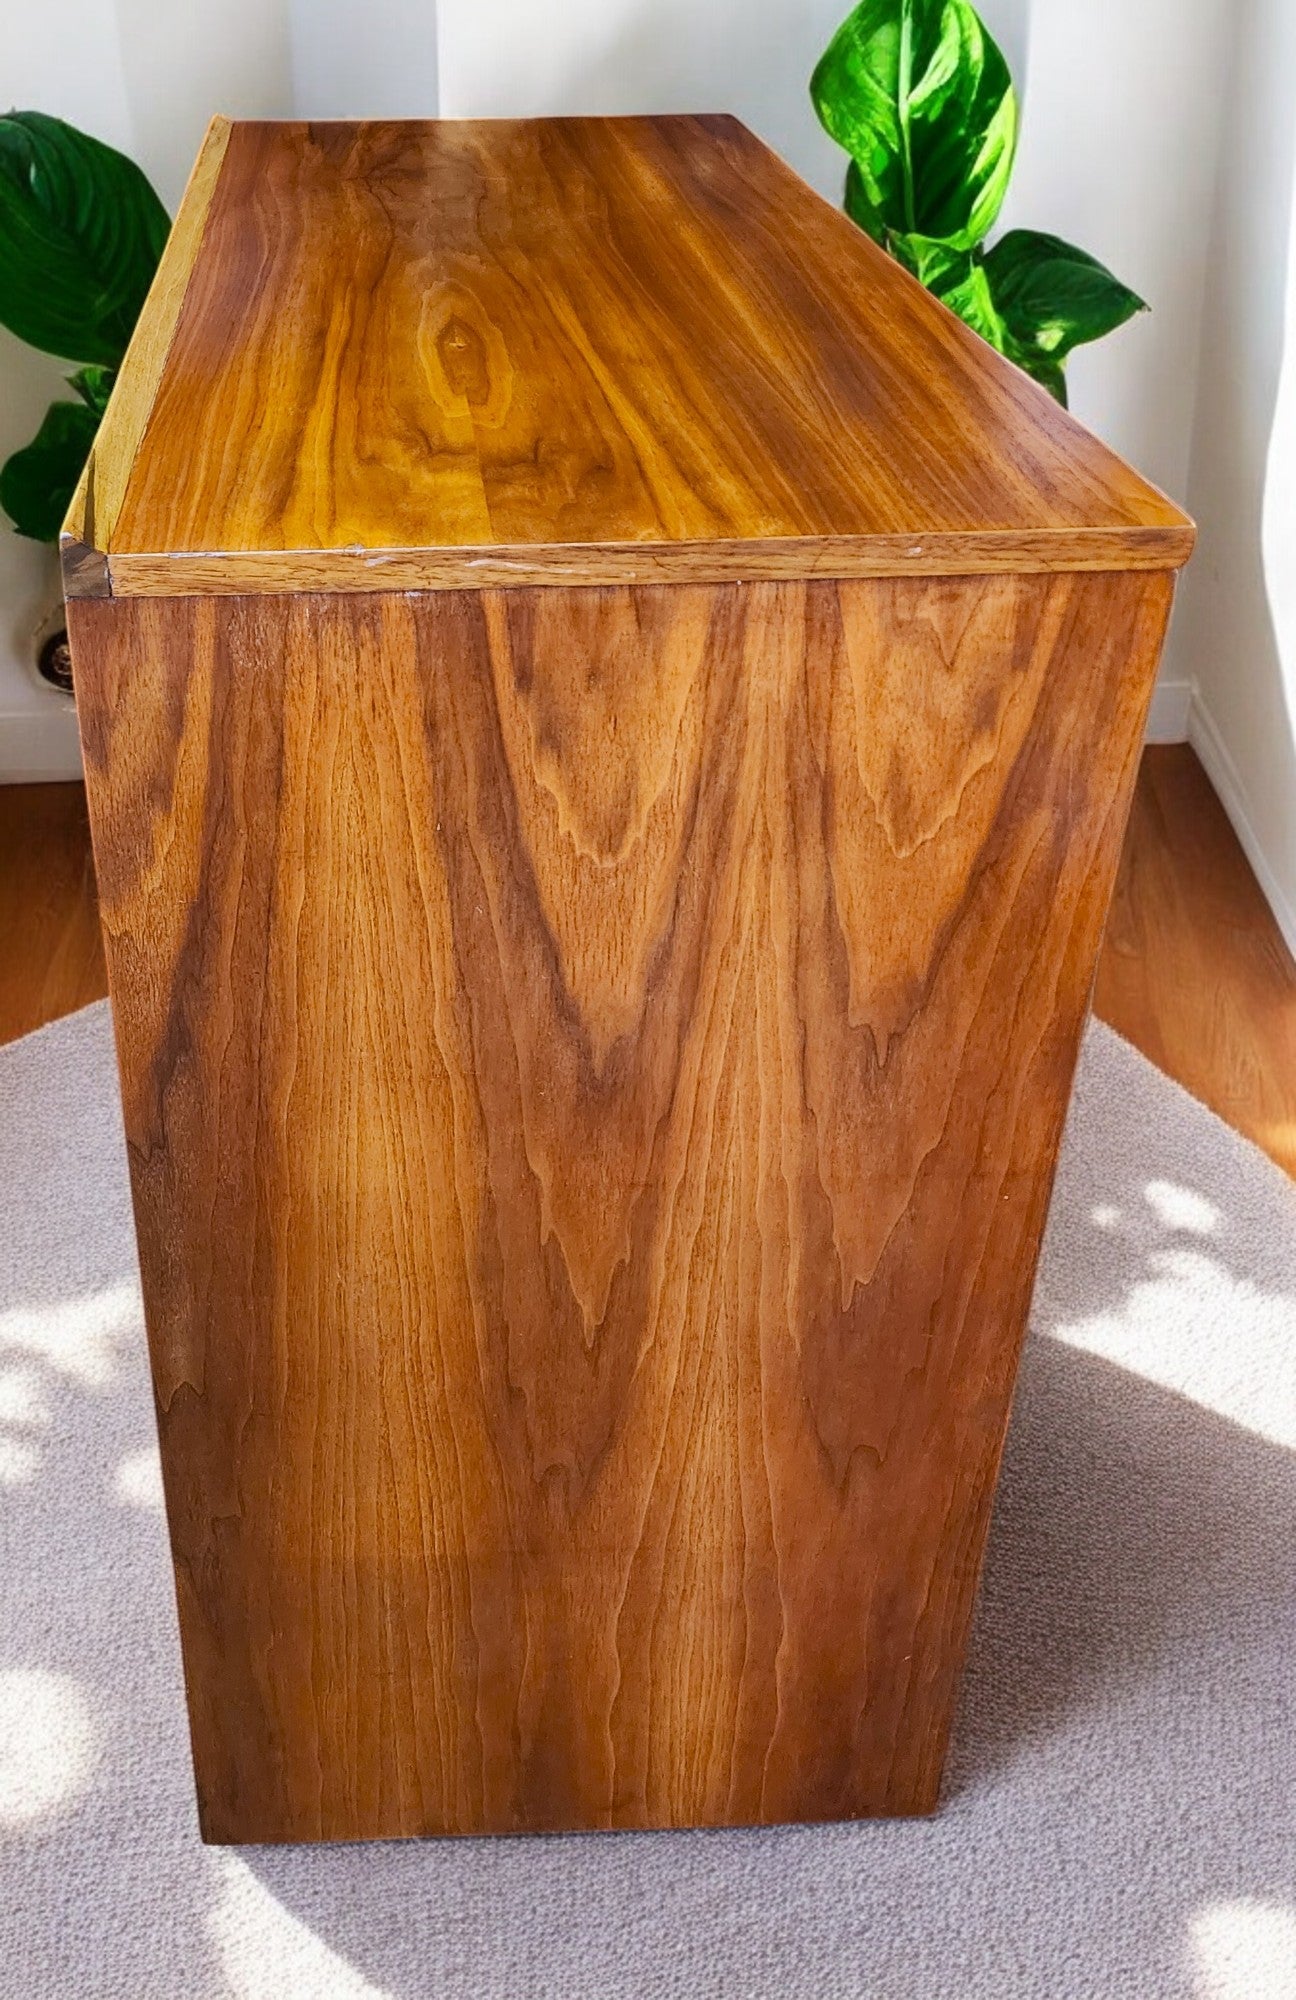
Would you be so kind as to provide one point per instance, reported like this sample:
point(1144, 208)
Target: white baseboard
point(1223, 774)
point(1168, 716)
point(39, 744)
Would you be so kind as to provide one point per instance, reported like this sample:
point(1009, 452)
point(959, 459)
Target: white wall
point(364, 58)
point(1118, 151)
point(1238, 611)
point(528, 58)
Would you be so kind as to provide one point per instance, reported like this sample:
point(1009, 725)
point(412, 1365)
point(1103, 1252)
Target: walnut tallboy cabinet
point(609, 717)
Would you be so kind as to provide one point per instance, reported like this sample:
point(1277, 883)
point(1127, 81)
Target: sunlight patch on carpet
point(1246, 1949)
point(267, 1954)
point(1190, 1322)
point(47, 1744)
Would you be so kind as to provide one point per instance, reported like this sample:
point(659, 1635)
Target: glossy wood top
point(443, 354)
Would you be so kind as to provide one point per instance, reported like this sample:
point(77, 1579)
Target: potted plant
point(81, 232)
point(919, 94)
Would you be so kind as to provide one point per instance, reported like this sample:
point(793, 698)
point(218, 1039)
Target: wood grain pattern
point(442, 355)
point(96, 503)
point(593, 1063)
point(273, 571)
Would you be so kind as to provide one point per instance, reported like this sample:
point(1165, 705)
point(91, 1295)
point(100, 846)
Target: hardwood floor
point(51, 953)
point(1194, 971)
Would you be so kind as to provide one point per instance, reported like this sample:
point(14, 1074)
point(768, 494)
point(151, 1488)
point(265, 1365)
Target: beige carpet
point(1119, 1816)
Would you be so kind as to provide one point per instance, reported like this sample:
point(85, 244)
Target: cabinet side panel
point(593, 1064)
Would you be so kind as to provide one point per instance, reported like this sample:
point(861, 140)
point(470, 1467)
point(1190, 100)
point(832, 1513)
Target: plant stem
point(905, 79)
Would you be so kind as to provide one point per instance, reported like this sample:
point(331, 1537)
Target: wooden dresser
point(609, 717)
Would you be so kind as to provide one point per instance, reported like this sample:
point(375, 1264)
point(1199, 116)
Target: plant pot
point(50, 654)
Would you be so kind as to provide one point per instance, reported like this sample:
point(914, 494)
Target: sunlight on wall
point(47, 1744)
point(1245, 1951)
point(1192, 1324)
point(267, 1953)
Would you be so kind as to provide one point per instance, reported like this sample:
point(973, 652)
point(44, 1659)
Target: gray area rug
point(1118, 1815)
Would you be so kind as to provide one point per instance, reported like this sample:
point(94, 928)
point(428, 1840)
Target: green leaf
point(968, 294)
point(958, 279)
point(94, 386)
point(920, 96)
point(37, 483)
point(81, 232)
point(1054, 297)
point(1048, 373)
point(860, 209)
